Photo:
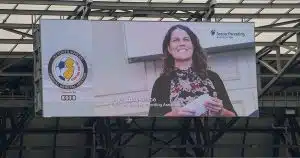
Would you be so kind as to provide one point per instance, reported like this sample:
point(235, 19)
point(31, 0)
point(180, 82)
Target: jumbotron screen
point(151, 69)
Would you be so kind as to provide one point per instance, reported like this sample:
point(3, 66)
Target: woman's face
point(180, 46)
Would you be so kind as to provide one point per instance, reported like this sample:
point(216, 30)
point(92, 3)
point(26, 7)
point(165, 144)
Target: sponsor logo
point(213, 32)
point(67, 69)
point(226, 35)
point(68, 97)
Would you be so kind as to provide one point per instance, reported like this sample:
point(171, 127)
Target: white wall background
point(145, 38)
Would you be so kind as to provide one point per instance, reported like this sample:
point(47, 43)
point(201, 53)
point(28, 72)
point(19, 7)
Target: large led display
point(152, 69)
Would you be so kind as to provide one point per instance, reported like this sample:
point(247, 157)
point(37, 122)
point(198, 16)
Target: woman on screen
point(185, 77)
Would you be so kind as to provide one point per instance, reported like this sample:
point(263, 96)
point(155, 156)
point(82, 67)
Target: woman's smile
point(182, 50)
point(181, 47)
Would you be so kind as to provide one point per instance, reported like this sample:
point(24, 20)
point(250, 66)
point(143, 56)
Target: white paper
point(197, 105)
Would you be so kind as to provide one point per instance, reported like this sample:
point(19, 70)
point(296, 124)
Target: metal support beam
point(281, 122)
point(267, 28)
point(206, 135)
point(15, 102)
point(298, 40)
point(280, 73)
point(210, 11)
point(269, 44)
point(199, 152)
point(30, 41)
point(276, 29)
point(90, 136)
point(256, 16)
point(151, 135)
point(3, 138)
point(255, 5)
point(19, 32)
point(153, 13)
point(16, 41)
point(113, 149)
point(276, 137)
point(184, 137)
point(120, 5)
point(18, 124)
point(269, 57)
point(109, 146)
point(269, 67)
point(244, 138)
point(218, 135)
point(178, 131)
point(84, 11)
point(55, 138)
point(279, 40)
point(117, 139)
point(240, 130)
point(102, 138)
point(132, 5)
point(284, 69)
point(139, 146)
point(14, 55)
point(279, 23)
point(16, 74)
point(294, 135)
point(15, 26)
point(278, 61)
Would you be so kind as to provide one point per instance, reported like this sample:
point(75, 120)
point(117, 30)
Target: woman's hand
point(180, 112)
point(214, 106)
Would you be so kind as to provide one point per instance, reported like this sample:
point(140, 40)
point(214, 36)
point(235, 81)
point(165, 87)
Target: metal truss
point(109, 137)
point(200, 135)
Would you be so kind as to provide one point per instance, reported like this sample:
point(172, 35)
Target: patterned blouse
point(187, 86)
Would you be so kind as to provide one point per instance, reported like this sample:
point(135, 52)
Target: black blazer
point(161, 94)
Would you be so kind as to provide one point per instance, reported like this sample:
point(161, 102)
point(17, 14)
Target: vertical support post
point(94, 146)
point(115, 150)
point(298, 41)
point(107, 133)
point(199, 152)
point(117, 139)
point(99, 138)
point(151, 134)
point(278, 61)
point(103, 138)
point(259, 84)
point(210, 11)
point(2, 135)
point(21, 145)
point(184, 136)
point(206, 136)
point(276, 141)
point(37, 72)
point(294, 125)
point(244, 137)
point(55, 137)
point(90, 139)
point(120, 124)
point(278, 124)
point(84, 11)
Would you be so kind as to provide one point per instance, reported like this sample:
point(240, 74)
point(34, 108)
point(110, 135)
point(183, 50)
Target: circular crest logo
point(67, 69)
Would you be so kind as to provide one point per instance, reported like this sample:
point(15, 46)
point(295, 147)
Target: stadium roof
point(265, 13)
point(276, 22)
